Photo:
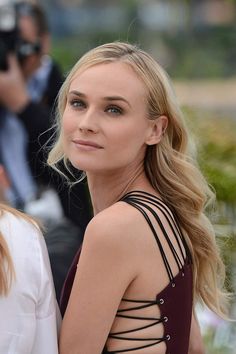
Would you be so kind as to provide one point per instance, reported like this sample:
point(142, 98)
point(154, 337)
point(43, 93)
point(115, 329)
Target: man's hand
point(13, 92)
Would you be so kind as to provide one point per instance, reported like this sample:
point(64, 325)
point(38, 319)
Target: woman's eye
point(114, 110)
point(75, 103)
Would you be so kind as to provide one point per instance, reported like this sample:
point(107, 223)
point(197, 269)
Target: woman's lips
point(86, 144)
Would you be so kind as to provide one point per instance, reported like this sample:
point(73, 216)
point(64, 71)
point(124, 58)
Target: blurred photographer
point(29, 82)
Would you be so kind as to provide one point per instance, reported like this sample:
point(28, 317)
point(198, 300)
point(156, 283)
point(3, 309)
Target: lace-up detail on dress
point(175, 300)
point(153, 321)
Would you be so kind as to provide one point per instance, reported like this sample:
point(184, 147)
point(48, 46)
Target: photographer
point(29, 83)
point(28, 87)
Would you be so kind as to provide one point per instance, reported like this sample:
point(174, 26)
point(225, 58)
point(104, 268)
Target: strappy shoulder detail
point(149, 204)
point(144, 202)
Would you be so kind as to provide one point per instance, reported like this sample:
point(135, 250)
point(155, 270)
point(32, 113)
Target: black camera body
point(10, 38)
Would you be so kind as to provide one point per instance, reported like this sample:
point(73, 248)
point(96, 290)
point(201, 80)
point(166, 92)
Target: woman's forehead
point(117, 76)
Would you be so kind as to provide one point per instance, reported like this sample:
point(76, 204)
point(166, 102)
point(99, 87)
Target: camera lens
point(8, 33)
point(3, 56)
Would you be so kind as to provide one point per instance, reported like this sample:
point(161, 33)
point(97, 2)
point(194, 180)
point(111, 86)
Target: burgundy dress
point(174, 301)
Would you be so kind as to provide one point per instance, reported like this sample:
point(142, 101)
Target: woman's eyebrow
point(107, 98)
point(117, 98)
point(77, 93)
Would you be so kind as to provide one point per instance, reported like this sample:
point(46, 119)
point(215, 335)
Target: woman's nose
point(88, 122)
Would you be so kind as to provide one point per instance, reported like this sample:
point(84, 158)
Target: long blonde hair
point(169, 165)
point(7, 271)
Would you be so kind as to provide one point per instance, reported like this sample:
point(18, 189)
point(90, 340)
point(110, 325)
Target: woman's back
point(148, 319)
point(28, 311)
point(156, 308)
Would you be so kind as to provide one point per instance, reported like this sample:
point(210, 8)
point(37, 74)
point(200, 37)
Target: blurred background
point(195, 41)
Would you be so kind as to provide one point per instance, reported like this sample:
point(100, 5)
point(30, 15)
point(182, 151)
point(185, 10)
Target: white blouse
point(29, 315)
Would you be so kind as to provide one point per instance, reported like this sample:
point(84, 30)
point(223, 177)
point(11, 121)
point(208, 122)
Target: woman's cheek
point(68, 124)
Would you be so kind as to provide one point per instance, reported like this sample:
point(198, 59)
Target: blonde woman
point(149, 253)
point(30, 319)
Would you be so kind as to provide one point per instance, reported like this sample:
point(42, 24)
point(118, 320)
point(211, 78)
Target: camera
point(10, 38)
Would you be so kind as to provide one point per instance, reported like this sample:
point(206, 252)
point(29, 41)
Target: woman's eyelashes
point(114, 110)
point(79, 104)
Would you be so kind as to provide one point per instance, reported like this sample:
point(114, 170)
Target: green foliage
point(203, 52)
point(215, 137)
point(214, 133)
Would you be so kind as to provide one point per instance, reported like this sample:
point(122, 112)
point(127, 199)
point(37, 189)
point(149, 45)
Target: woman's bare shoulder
point(108, 243)
point(116, 217)
point(115, 225)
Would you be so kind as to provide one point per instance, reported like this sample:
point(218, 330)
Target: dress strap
point(144, 202)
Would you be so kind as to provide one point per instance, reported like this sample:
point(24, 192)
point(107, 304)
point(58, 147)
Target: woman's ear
point(157, 129)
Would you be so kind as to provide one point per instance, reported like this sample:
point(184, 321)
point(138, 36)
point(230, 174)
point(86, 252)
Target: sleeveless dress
point(175, 301)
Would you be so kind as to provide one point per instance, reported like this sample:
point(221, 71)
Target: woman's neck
point(106, 190)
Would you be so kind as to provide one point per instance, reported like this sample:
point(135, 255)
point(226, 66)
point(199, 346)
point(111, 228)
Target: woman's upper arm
point(103, 274)
point(196, 345)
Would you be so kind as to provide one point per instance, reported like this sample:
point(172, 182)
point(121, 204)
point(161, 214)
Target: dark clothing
point(66, 290)
point(62, 238)
point(174, 301)
point(38, 119)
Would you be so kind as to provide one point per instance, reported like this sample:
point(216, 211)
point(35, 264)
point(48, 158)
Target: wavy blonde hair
point(169, 166)
point(7, 271)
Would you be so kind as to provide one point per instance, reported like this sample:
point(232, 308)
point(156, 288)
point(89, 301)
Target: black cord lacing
point(139, 200)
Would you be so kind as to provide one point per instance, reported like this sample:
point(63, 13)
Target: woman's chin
point(77, 165)
point(82, 166)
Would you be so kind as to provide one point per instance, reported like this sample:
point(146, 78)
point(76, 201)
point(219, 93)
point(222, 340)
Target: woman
point(149, 253)
point(29, 314)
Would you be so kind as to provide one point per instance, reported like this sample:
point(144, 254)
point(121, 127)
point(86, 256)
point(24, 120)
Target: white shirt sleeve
point(29, 321)
point(47, 325)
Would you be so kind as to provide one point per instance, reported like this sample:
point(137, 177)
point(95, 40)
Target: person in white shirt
point(29, 315)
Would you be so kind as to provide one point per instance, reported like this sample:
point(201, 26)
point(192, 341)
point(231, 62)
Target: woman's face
point(105, 124)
